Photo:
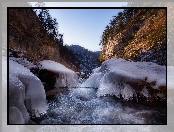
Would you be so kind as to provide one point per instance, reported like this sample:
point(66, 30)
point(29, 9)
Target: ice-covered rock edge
point(130, 80)
point(28, 88)
point(65, 77)
point(26, 94)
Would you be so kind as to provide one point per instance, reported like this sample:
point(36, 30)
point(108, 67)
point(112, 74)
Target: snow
point(95, 77)
point(65, 76)
point(24, 86)
point(120, 77)
point(24, 62)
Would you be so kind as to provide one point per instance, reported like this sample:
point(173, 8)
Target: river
point(82, 106)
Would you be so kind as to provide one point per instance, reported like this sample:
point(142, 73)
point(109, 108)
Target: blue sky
point(83, 27)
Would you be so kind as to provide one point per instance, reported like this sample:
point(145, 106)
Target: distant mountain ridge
point(88, 59)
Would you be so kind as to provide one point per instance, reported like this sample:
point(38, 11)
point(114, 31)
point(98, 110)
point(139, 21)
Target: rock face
point(136, 34)
point(27, 36)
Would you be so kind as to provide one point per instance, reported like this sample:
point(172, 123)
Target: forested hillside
point(37, 38)
point(88, 60)
point(138, 34)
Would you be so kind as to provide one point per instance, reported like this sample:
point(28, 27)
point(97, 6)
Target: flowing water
point(81, 106)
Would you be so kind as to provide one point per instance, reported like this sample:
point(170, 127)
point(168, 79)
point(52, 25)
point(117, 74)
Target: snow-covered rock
point(65, 77)
point(26, 94)
point(23, 61)
point(129, 79)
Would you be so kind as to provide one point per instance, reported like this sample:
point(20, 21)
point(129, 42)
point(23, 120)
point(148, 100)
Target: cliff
point(136, 34)
point(27, 36)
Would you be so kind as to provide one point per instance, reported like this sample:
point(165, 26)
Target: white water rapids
point(71, 108)
point(115, 77)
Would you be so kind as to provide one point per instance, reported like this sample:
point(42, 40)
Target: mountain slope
point(28, 37)
point(136, 34)
point(88, 60)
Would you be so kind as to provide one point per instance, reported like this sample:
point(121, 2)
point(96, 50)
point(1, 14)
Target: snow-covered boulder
point(64, 77)
point(23, 61)
point(26, 94)
point(130, 80)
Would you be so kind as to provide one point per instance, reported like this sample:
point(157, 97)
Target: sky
point(83, 27)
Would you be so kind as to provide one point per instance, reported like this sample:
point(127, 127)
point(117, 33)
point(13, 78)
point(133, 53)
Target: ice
point(145, 92)
point(84, 93)
point(16, 99)
point(26, 92)
point(127, 92)
point(95, 77)
point(15, 116)
point(65, 77)
point(127, 78)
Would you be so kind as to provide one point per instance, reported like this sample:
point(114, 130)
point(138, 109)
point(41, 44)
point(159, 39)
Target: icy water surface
point(81, 106)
